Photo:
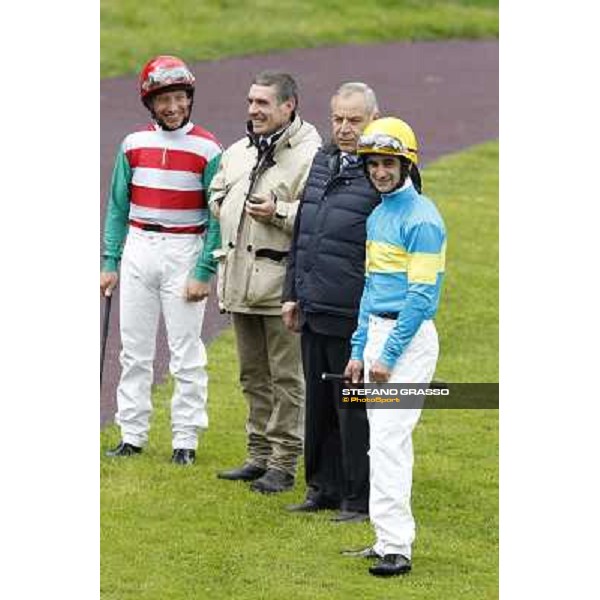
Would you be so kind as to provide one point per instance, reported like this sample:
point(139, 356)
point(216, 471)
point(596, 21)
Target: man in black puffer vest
point(321, 296)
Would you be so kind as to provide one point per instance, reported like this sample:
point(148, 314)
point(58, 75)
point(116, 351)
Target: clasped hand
point(261, 207)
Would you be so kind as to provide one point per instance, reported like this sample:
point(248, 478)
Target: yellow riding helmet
point(389, 136)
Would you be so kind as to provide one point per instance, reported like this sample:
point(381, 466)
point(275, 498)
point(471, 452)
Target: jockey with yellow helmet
point(396, 339)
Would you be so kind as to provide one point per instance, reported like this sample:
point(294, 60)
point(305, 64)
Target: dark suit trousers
point(336, 440)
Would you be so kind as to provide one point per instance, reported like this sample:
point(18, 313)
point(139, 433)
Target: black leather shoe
point(391, 564)
point(367, 552)
point(247, 472)
point(124, 449)
point(273, 481)
point(350, 516)
point(183, 456)
point(309, 505)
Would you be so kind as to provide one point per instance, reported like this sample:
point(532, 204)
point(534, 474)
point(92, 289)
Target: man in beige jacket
point(255, 195)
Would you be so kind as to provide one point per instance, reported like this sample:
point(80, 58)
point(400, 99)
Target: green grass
point(181, 534)
point(133, 31)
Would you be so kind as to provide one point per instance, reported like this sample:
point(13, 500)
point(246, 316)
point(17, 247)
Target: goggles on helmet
point(161, 78)
point(381, 143)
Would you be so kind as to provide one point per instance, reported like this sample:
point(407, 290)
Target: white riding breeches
point(391, 450)
point(154, 271)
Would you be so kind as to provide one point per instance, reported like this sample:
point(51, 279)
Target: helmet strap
point(404, 171)
point(415, 177)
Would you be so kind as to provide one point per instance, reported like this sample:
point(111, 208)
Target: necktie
point(347, 161)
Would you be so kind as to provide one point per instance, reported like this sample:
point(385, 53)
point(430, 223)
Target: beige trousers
point(273, 385)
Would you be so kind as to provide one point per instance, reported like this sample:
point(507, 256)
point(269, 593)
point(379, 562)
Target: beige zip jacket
point(253, 255)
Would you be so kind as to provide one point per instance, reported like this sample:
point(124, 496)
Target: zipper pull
point(164, 157)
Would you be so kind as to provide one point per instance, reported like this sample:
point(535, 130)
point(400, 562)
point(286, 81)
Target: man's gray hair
point(354, 87)
point(284, 83)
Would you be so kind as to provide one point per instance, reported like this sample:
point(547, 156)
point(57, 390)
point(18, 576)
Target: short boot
point(124, 449)
point(391, 564)
point(183, 456)
point(247, 472)
point(273, 482)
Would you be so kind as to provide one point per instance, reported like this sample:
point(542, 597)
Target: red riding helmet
point(164, 72)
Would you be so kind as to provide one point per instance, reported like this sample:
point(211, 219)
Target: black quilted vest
point(330, 238)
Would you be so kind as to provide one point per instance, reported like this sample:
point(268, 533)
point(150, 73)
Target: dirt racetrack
point(448, 92)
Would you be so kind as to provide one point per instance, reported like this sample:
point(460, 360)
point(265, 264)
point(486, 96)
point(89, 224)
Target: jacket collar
point(406, 191)
point(274, 140)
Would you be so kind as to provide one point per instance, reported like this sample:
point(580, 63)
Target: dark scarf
point(264, 143)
